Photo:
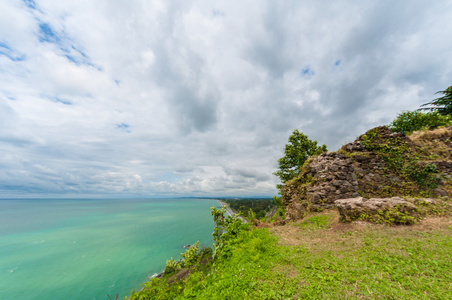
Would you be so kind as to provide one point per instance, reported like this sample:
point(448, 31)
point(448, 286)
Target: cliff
point(379, 164)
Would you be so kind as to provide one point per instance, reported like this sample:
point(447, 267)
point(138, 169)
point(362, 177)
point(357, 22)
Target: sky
point(198, 98)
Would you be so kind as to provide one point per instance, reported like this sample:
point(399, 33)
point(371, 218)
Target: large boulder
point(393, 210)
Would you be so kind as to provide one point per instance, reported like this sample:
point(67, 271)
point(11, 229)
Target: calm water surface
point(87, 249)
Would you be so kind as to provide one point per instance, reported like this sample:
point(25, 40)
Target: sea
point(94, 248)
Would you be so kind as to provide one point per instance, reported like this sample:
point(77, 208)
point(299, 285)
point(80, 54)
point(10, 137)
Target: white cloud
point(198, 98)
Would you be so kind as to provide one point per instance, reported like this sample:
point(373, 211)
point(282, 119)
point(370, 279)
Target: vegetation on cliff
point(320, 258)
point(409, 121)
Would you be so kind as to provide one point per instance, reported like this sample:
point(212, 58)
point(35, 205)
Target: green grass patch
point(316, 222)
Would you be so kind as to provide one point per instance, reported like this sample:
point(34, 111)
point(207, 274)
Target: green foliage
point(243, 206)
point(172, 266)
point(299, 149)
point(409, 121)
point(396, 152)
point(277, 201)
point(442, 105)
point(225, 231)
point(207, 251)
point(251, 216)
point(422, 174)
point(280, 213)
point(191, 255)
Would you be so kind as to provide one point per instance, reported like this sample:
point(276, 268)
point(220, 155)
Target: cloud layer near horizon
point(152, 98)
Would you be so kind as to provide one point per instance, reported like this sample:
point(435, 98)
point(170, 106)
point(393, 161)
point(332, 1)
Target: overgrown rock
point(393, 210)
point(379, 164)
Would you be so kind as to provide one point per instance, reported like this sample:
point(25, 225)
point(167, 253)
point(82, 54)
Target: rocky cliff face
point(377, 164)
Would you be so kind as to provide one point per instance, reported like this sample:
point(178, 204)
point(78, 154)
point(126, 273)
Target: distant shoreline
point(228, 209)
point(231, 212)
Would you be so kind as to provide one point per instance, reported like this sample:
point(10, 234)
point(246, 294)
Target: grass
point(364, 261)
point(321, 258)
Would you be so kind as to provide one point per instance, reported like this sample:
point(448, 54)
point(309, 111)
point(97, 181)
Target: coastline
point(231, 212)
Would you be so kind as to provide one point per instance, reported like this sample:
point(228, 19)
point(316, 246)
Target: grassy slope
point(320, 258)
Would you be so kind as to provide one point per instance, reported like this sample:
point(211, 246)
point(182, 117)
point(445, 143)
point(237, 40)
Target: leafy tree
point(443, 104)
point(409, 121)
point(299, 149)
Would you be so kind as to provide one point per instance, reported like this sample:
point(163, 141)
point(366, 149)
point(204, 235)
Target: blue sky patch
point(46, 34)
point(337, 62)
point(30, 3)
point(5, 50)
point(123, 126)
point(78, 57)
point(78, 60)
point(63, 101)
point(307, 72)
point(57, 99)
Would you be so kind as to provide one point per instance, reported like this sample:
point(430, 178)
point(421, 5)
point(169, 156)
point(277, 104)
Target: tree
point(443, 104)
point(299, 149)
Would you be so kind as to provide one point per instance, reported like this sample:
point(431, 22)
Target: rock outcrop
point(366, 168)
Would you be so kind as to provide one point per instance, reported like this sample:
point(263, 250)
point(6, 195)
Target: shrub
point(409, 121)
point(191, 255)
point(172, 266)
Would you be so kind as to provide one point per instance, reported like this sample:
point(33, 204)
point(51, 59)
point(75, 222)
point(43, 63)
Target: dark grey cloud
point(194, 112)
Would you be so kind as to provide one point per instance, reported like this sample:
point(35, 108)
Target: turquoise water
point(89, 249)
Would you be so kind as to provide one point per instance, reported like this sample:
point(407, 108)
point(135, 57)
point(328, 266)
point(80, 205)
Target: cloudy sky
point(197, 98)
